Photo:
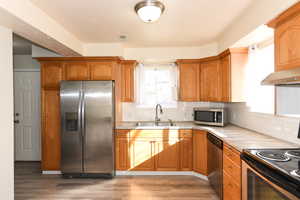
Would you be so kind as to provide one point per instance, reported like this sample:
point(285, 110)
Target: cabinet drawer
point(122, 133)
point(232, 154)
point(159, 134)
point(233, 170)
point(231, 190)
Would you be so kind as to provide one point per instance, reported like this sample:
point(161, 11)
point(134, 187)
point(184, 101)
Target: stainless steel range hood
point(286, 77)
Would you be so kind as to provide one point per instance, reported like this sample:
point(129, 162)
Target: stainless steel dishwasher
point(215, 163)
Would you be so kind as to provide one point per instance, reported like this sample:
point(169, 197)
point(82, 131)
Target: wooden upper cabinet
point(127, 80)
point(232, 75)
point(189, 80)
point(76, 71)
point(225, 79)
point(101, 70)
point(210, 81)
point(51, 75)
point(287, 38)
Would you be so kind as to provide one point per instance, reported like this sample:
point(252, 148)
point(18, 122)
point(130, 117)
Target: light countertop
point(235, 136)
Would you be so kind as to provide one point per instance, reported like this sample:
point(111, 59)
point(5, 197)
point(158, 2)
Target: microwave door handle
point(215, 120)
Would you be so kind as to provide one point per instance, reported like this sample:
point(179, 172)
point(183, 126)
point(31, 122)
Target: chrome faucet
point(156, 113)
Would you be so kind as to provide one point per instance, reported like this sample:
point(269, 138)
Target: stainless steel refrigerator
point(88, 121)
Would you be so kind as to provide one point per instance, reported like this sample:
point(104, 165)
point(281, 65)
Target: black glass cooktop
point(287, 161)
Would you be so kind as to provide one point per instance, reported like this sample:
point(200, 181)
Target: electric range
point(279, 167)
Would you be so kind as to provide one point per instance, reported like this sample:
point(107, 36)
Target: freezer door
point(71, 95)
point(98, 127)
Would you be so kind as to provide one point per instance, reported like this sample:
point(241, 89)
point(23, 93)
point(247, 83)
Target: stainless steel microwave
point(210, 116)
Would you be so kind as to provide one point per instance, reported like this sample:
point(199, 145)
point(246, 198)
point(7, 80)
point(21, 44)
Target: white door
point(27, 116)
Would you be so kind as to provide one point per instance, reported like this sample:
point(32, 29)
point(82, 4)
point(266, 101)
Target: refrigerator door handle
point(82, 114)
point(79, 115)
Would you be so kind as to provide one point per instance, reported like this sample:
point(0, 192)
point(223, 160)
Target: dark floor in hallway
point(31, 184)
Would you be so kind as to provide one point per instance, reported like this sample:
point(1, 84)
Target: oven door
point(257, 187)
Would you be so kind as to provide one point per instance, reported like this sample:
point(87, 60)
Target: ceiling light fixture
point(149, 10)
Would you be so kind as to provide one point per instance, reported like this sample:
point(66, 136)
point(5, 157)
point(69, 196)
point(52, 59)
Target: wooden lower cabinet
point(166, 155)
point(231, 173)
point(142, 151)
point(186, 154)
point(200, 151)
point(154, 150)
point(51, 130)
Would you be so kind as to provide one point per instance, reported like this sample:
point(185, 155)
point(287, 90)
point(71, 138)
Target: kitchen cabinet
point(231, 173)
point(55, 69)
point(232, 75)
point(51, 75)
point(76, 71)
point(218, 78)
point(167, 155)
point(287, 38)
point(186, 154)
point(189, 80)
point(51, 140)
point(200, 151)
point(127, 71)
point(122, 150)
point(210, 76)
point(143, 152)
point(101, 70)
point(155, 150)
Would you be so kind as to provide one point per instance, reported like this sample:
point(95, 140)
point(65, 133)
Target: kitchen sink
point(141, 124)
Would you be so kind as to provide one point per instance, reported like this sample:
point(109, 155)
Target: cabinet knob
point(16, 121)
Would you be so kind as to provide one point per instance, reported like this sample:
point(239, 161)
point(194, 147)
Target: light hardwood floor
point(31, 184)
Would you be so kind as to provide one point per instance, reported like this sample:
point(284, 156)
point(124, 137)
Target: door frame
point(39, 124)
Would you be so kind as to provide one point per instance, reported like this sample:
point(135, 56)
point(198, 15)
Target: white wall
point(103, 49)
point(25, 62)
point(260, 12)
point(284, 128)
point(42, 52)
point(153, 54)
point(183, 111)
point(6, 115)
point(171, 53)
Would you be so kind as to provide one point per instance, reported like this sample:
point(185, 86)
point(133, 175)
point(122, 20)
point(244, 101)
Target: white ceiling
point(184, 23)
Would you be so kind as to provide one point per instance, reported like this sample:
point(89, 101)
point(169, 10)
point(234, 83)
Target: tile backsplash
point(285, 128)
point(183, 111)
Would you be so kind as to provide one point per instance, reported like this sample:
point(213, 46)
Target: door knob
point(17, 114)
point(16, 121)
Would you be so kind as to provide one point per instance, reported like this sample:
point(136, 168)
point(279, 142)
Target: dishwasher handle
point(214, 140)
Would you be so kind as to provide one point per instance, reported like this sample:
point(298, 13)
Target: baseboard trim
point(160, 173)
point(146, 173)
point(51, 172)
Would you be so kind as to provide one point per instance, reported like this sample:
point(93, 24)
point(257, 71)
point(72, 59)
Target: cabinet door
point(142, 154)
point(51, 75)
point(101, 71)
point(127, 82)
point(51, 138)
point(287, 49)
point(167, 155)
point(225, 79)
point(189, 82)
point(210, 81)
point(200, 152)
point(76, 71)
point(186, 154)
point(122, 153)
